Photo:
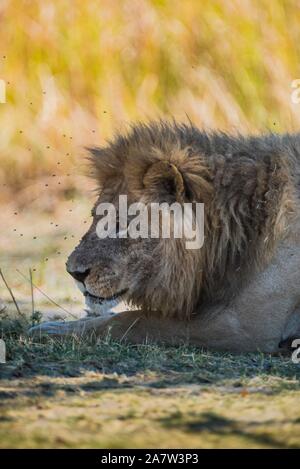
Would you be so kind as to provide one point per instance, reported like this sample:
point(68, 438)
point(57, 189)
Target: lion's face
point(151, 273)
point(111, 269)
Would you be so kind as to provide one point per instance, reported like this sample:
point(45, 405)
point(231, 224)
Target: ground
point(78, 393)
point(81, 394)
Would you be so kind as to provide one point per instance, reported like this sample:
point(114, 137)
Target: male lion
point(241, 291)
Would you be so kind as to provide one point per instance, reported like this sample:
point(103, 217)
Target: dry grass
point(76, 71)
point(75, 393)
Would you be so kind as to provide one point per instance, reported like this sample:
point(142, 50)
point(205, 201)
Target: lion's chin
point(99, 306)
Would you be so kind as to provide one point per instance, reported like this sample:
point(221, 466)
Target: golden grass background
point(76, 71)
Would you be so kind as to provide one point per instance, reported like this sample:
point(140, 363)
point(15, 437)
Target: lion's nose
point(80, 276)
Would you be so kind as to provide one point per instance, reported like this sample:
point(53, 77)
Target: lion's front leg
point(138, 327)
point(132, 326)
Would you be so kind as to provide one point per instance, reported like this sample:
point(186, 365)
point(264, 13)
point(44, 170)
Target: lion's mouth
point(101, 299)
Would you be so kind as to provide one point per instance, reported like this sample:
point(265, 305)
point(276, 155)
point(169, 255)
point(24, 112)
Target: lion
point(239, 292)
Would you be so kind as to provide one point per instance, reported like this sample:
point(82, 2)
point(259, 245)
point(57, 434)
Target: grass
point(78, 393)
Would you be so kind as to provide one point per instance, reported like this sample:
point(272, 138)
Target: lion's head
point(178, 163)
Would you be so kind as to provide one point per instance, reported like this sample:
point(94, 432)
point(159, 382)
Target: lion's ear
point(165, 179)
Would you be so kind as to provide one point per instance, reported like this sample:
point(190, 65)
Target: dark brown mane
point(244, 182)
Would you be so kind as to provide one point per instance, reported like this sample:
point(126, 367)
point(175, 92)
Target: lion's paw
point(53, 328)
